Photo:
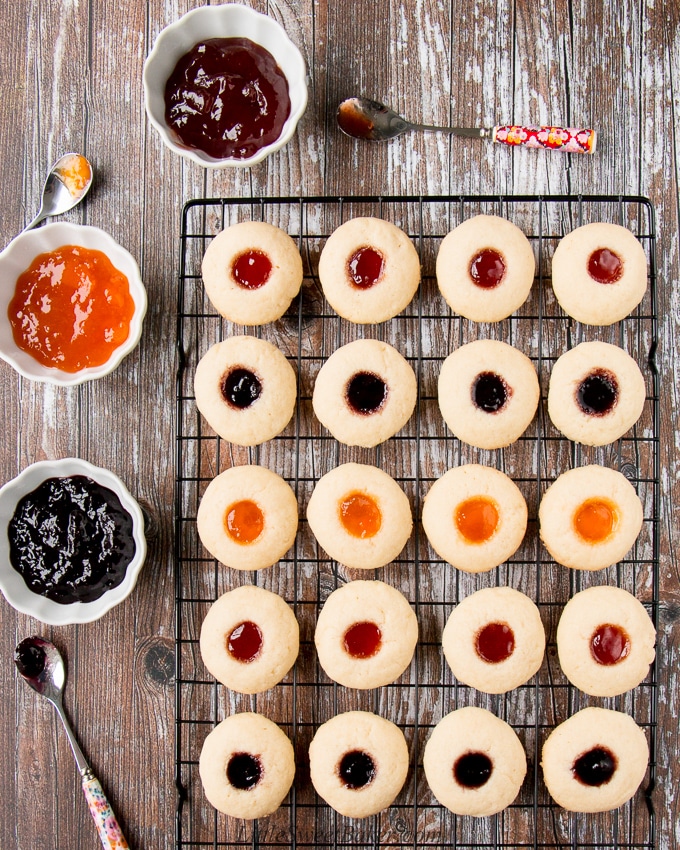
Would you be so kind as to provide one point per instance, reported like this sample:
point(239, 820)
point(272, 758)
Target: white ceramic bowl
point(13, 586)
point(227, 21)
point(19, 255)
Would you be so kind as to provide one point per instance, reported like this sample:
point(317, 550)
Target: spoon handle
point(110, 833)
point(568, 139)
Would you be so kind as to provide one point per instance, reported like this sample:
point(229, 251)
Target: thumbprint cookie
point(360, 516)
point(251, 272)
point(249, 639)
point(488, 393)
point(246, 389)
point(599, 273)
point(247, 765)
point(369, 270)
point(358, 763)
point(364, 393)
point(595, 760)
point(485, 268)
point(475, 517)
point(596, 393)
point(474, 762)
point(589, 517)
point(248, 517)
point(494, 640)
point(366, 634)
point(605, 641)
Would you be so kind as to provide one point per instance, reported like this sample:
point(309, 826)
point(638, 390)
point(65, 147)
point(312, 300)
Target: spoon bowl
point(67, 183)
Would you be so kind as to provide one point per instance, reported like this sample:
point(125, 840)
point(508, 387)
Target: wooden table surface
point(71, 76)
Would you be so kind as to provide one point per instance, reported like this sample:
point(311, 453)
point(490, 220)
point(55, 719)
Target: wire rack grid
point(425, 333)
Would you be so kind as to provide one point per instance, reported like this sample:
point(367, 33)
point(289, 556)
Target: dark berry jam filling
point(245, 642)
point(598, 393)
point(472, 770)
point(609, 644)
point(252, 269)
point(362, 640)
point(357, 769)
point(487, 268)
point(227, 97)
point(596, 767)
point(30, 658)
point(604, 266)
point(366, 393)
point(495, 643)
point(241, 388)
point(490, 392)
point(71, 539)
point(365, 267)
point(244, 771)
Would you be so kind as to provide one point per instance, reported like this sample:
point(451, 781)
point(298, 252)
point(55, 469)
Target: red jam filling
point(252, 269)
point(244, 521)
point(477, 519)
point(605, 266)
point(362, 640)
point(609, 644)
point(360, 515)
point(365, 267)
point(245, 642)
point(227, 97)
point(495, 643)
point(595, 520)
point(71, 308)
point(487, 268)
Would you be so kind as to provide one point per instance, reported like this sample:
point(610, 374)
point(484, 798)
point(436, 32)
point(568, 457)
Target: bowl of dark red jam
point(225, 86)
point(71, 541)
point(72, 304)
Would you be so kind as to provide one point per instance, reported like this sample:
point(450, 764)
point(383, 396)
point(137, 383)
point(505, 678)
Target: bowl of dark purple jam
point(71, 541)
point(225, 86)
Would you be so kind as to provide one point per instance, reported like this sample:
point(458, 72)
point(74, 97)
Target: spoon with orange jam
point(67, 184)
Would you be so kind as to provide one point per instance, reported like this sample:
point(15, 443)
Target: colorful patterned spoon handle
point(568, 139)
point(107, 826)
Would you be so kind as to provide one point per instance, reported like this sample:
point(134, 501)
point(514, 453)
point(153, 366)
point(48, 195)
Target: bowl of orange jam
point(72, 304)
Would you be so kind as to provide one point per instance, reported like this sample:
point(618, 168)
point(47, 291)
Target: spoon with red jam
point(66, 185)
point(41, 665)
point(372, 121)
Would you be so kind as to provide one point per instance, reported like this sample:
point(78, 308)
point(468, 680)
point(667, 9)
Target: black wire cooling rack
point(424, 333)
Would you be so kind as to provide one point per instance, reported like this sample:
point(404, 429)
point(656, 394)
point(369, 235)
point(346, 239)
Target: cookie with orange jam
point(369, 270)
point(249, 639)
point(360, 516)
point(475, 517)
point(251, 272)
point(366, 634)
point(248, 517)
point(494, 640)
point(485, 268)
point(599, 273)
point(605, 641)
point(590, 517)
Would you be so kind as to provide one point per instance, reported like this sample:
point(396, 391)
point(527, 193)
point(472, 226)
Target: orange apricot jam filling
point(71, 308)
point(360, 515)
point(595, 520)
point(477, 519)
point(244, 521)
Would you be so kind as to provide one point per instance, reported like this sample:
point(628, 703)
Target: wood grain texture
point(75, 72)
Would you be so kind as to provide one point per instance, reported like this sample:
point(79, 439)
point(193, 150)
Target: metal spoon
point(67, 184)
point(367, 119)
point(40, 664)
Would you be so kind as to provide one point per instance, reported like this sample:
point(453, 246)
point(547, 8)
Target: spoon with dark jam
point(40, 664)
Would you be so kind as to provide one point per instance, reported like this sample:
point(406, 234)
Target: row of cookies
point(366, 634)
point(473, 761)
point(474, 517)
point(369, 271)
point(366, 391)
